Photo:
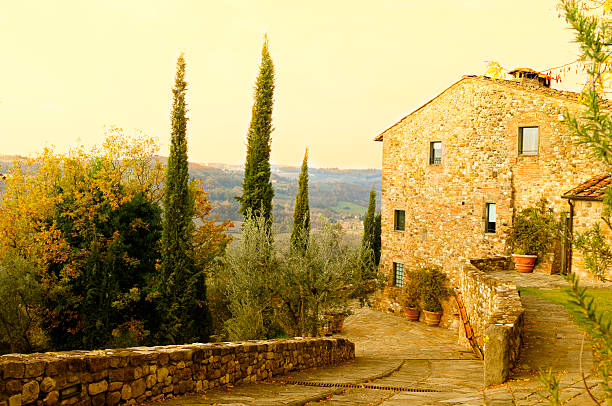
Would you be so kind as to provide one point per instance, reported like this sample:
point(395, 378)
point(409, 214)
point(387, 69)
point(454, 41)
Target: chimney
point(530, 77)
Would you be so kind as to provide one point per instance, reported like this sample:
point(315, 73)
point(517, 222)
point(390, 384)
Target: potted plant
point(433, 290)
point(410, 296)
point(533, 232)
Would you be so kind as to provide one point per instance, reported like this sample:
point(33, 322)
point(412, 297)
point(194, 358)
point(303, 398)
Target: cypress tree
point(368, 241)
point(301, 211)
point(377, 238)
point(183, 305)
point(257, 189)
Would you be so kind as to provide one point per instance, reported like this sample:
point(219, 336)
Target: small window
point(491, 218)
point(528, 140)
point(399, 220)
point(435, 153)
point(398, 274)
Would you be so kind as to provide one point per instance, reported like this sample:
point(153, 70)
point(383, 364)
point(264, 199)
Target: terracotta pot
point(432, 318)
point(412, 314)
point(524, 263)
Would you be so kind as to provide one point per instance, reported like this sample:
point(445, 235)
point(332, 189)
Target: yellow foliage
point(123, 166)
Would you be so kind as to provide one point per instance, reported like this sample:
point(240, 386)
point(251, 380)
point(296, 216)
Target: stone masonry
point(495, 314)
point(477, 120)
point(135, 375)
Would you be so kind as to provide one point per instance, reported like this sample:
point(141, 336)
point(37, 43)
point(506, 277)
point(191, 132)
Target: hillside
point(338, 194)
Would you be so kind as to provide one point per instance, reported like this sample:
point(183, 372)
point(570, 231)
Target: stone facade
point(135, 375)
point(477, 120)
point(495, 314)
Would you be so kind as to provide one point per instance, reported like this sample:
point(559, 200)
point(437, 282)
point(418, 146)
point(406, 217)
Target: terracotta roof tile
point(592, 189)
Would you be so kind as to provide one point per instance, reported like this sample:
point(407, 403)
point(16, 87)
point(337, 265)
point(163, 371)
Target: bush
point(595, 251)
point(20, 297)
point(433, 289)
point(270, 293)
point(252, 274)
point(534, 230)
point(411, 293)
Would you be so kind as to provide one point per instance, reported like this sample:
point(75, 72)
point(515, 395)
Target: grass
point(602, 298)
point(349, 208)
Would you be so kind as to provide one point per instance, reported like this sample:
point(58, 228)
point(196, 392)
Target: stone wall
point(135, 375)
point(477, 120)
point(496, 316)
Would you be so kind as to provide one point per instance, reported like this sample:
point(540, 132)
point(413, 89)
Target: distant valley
point(340, 195)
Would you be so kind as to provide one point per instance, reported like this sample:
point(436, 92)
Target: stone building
point(587, 209)
point(456, 169)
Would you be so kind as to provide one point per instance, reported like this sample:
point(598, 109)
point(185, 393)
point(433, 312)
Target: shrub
point(433, 288)
point(533, 230)
point(411, 292)
point(20, 297)
point(595, 251)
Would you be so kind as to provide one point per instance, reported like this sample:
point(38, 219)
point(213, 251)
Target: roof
point(564, 94)
point(592, 189)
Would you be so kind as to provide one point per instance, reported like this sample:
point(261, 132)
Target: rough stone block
point(97, 387)
point(34, 369)
point(126, 392)
point(48, 384)
point(496, 355)
point(29, 392)
point(51, 399)
point(15, 400)
point(13, 369)
point(138, 387)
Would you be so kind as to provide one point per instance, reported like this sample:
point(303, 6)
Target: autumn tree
point(257, 189)
point(301, 211)
point(87, 224)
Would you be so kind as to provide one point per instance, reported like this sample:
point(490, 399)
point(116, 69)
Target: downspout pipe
point(570, 236)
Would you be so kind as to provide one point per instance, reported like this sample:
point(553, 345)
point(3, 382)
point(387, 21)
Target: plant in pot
point(533, 232)
point(411, 294)
point(433, 290)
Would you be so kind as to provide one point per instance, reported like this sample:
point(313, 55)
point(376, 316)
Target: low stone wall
point(496, 315)
point(135, 375)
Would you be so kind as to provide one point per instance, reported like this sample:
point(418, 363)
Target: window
point(399, 220)
point(398, 274)
point(491, 218)
point(435, 153)
point(528, 140)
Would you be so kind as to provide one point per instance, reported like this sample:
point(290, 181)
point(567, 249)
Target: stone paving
point(405, 359)
point(551, 341)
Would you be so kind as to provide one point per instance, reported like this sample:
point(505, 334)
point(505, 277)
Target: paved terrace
point(407, 363)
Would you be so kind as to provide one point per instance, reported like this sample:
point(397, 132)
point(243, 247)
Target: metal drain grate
point(361, 386)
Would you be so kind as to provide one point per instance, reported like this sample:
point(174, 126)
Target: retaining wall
point(496, 315)
point(135, 375)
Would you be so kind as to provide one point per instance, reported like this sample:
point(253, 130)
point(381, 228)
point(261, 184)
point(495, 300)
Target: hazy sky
point(345, 70)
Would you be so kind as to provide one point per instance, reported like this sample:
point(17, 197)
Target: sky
point(345, 70)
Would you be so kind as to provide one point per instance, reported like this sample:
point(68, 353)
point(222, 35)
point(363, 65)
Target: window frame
point(521, 138)
point(396, 218)
point(488, 228)
point(398, 268)
point(432, 159)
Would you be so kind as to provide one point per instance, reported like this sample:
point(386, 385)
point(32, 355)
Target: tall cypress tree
point(368, 241)
point(183, 303)
point(377, 238)
point(301, 211)
point(257, 189)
